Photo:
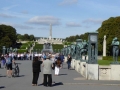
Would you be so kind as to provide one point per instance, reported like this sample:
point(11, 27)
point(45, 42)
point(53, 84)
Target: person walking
point(36, 66)
point(69, 59)
point(57, 66)
point(47, 71)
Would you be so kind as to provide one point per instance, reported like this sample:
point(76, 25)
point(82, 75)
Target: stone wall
point(95, 71)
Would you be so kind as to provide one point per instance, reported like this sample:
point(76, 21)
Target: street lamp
point(7, 50)
point(92, 47)
point(10, 49)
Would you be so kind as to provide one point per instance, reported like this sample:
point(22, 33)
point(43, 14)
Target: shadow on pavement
point(2, 87)
point(3, 76)
point(62, 74)
point(21, 76)
point(57, 84)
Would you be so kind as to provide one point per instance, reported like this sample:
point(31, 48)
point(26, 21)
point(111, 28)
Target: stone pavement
point(67, 80)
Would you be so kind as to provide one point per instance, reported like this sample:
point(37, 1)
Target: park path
point(67, 80)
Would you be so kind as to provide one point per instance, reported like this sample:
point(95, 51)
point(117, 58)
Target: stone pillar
point(50, 37)
point(104, 46)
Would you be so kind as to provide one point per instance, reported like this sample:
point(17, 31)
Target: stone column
point(104, 46)
point(50, 37)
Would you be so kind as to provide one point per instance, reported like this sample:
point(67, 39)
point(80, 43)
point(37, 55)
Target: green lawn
point(104, 62)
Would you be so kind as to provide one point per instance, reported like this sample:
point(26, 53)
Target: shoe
point(33, 84)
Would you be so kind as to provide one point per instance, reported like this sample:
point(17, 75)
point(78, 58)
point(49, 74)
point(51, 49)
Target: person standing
point(69, 59)
point(36, 65)
point(57, 66)
point(9, 61)
point(47, 71)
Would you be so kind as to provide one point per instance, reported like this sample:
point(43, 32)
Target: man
point(9, 61)
point(47, 71)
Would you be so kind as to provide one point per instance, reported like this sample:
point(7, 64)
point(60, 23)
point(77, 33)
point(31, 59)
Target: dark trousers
point(35, 77)
point(47, 79)
point(69, 65)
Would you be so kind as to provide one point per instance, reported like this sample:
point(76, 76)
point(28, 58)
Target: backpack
point(8, 60)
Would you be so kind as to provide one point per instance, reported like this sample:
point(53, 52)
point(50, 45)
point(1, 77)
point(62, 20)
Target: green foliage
point(105, 62)
point(110, 28)
point(110, 58)
point(38, 46)
point(21, 50)
point(67, 43)
point(74, 38)
point(7, 36)
point(57, 46)
point(25, 37)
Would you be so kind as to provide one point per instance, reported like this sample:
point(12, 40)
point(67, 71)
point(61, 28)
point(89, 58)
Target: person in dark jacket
point(36, 65)
point(69, 59)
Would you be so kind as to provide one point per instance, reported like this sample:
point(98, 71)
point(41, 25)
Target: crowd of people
point(48, 61)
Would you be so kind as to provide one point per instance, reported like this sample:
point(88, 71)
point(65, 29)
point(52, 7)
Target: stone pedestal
point(83, 68)
point(73, 63)
point(92, 71)
point(115, 72)
point(65, 59)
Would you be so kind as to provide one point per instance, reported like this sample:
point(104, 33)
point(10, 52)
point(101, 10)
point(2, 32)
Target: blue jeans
point(69, 65)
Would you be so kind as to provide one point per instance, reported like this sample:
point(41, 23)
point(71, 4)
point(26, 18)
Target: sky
point(68, 17)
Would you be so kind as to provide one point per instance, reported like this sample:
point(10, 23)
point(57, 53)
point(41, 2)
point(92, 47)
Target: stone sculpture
point(84, 49)
point(115, 44)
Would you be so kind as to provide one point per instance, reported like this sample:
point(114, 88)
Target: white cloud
point(73, 24)
point(17, 26)
point(44, 20)
point(9, 7)
point(6, 15)
point(68, 2)
point(94, 21)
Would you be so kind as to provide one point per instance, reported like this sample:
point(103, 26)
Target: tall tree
point(7, 36)
point(110, 28)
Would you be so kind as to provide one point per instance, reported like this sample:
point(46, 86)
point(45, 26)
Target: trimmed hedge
point(110, 58)
point(38, 46)
point(21, 50)
point(57, 46)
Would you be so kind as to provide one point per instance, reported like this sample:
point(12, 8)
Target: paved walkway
point(68, 80)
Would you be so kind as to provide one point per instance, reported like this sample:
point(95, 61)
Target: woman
point(36, 65)
point(69, 59)
point(57, 66)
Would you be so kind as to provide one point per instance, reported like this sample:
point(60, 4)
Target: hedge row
point(22, 50)
point(110, 58)
point(38, 46)
point(57, 46)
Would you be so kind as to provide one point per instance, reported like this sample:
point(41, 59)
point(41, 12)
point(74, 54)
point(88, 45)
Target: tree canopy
point(110, 28)
point(25, 37)
point(7, 36)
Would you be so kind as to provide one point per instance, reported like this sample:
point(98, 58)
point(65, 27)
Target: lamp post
point(36, 51)
point(7, 50)
point(4, 50)
point(92, 47)
point(10, 49)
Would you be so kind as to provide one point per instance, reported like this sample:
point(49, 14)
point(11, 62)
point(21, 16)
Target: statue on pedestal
point(115, 44)
point(84, 49)
point(72, 51)
point(78, 49)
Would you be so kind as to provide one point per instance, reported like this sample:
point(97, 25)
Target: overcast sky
point(68, 17)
